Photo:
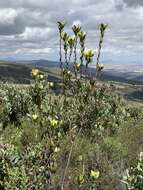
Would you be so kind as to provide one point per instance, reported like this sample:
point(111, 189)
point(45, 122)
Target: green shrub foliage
point(65, 141)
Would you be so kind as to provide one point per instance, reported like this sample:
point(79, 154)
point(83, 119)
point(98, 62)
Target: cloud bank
point(28, 27)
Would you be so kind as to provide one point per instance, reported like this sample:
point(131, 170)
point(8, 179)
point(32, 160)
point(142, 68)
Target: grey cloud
point(119, 7)
point(12, 29)
point(33, 25)
point(134, 3)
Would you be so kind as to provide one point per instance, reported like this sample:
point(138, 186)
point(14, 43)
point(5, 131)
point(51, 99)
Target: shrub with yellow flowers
point(65, 141)
point(38, 90)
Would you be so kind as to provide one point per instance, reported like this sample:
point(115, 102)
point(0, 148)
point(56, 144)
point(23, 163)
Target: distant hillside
point(14, 72)
point(121, 73)
point(40, 63)
point(20, 71)
point(106, 75)
point(129, 73)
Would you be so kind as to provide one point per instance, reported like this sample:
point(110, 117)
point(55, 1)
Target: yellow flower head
point(71, 41)
point(54, 122)
point(78, 66)
point(65, 36)
point(89, 53)
point(100, 67)
point(94, 174)
point(57, 149)
point(82, 35)
point(51, 84)
point(76, 29)
point(41, 76)
point(81, 179)
point(68, 72)
point(34, 72)
point(41, 87)
point(34, 117)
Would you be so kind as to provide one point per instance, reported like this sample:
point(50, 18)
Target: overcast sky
point(28, 28)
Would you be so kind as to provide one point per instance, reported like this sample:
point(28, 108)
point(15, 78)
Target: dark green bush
point(15, 103)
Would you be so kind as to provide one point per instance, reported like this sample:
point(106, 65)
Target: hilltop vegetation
point(84, 138)
point(20, 73)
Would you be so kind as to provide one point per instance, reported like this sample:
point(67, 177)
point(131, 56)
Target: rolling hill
point(128, 83)
point(21, 70)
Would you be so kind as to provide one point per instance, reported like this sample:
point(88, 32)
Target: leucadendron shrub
point(65, 141)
